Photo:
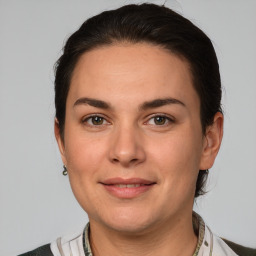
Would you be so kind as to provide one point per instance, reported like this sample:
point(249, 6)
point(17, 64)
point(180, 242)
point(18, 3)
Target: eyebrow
point(92, 102)
point(146, 105)
point(159, 103)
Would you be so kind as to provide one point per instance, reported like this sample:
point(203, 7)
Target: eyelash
point(86, 119)
point(167, 120)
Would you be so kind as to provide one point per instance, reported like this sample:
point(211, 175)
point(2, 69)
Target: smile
point(128, 185)
point(127, 188)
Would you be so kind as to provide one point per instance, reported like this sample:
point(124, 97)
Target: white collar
point(79, 245)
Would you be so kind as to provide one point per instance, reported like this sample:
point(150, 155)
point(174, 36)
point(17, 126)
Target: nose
point(127, 147)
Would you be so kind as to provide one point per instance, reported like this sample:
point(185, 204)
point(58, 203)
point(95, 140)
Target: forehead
point(132, 71)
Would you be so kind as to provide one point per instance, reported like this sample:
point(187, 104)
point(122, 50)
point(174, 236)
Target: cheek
point(84, 153)
point(178, 157)
point(84, 157)
point(178, 150)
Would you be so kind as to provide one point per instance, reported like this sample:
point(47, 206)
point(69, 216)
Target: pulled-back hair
point(157, 25)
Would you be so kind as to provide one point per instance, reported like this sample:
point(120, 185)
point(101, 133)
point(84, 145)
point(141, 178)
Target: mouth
point(128, 185)
point(127, 188)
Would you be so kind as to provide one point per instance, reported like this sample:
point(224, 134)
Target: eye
point(95, 120)
point(160, 120)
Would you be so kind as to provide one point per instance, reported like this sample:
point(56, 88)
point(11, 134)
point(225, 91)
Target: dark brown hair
point(157, 25)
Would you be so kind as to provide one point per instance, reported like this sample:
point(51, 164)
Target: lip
point(135, 188)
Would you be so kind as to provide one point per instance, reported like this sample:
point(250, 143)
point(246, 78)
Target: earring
point(65, 171)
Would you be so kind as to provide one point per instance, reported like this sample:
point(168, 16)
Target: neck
point(170, 240)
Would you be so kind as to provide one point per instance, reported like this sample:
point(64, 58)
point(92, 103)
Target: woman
point(138, 124)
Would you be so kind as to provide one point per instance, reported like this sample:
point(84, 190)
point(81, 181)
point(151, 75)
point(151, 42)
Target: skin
point(131, 137)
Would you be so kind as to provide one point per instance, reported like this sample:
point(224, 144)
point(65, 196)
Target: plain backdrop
point(36, 202)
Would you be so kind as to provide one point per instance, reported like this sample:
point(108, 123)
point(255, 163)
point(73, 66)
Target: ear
point(60, 141)
point(212, 142)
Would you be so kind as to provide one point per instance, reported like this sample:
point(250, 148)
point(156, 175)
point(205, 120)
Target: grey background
point(36, 202)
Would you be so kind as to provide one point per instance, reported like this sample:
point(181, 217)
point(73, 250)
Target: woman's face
point(133, 142)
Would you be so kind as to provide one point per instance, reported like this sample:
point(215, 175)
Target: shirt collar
point(198, 225)
point(199, 229)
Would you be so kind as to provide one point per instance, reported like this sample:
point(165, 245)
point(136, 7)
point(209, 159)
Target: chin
point(129, 222)
point(130, 227)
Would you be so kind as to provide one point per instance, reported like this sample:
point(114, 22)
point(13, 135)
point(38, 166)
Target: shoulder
point(44, 250)
point(64, 246)
point(211, 244)
point(225, 247)
point(239, 249)
point(73, 244)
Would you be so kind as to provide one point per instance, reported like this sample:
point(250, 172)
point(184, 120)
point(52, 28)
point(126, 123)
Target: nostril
point(116, 160)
